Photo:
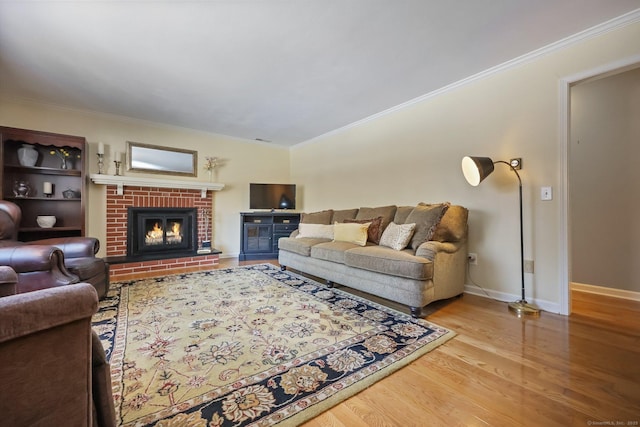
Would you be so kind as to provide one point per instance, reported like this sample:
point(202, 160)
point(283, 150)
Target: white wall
point(243, 161)
point(413, 154)
point(605, 181)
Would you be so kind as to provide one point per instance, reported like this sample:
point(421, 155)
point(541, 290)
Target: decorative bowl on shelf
point(69, 194)
point(46, 221)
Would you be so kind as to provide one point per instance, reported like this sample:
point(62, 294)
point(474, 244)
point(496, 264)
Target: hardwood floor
point(503, 371)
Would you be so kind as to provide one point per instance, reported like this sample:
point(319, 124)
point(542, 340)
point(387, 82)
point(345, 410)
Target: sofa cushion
point(322, 231)
point(452, 226)
point(341, 215)
point(332, 251)
point(321, 217)
point(402, 213)
point(374, 232)
point(388, 261)
point(397, 236)
point(300, 246)
point(426, 218)
point(353, 233)
point(386, 212)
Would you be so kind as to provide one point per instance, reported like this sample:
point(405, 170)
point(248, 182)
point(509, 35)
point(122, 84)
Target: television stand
point(260, 231)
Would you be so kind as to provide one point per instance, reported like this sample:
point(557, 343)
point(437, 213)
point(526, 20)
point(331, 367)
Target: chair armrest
point(38, 266)
point(32, 312)
point(8, 281)
point(30, 258)
point(73, 247)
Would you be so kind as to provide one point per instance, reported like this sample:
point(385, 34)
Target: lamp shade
point(475, 169)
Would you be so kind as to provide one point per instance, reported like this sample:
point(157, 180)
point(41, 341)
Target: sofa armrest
point(431, 248)
point(294, 233)
point(73, 247)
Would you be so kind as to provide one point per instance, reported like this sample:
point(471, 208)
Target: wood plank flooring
point(499, 370)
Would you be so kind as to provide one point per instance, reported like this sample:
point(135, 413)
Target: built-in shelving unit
point(60, 161)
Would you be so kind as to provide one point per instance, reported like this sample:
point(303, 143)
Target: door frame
point(564, 138)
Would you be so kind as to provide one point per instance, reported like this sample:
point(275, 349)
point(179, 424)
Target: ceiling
point(283, 71)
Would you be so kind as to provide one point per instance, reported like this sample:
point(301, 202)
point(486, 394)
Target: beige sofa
point(432, 267)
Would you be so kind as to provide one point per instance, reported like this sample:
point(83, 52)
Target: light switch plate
point(546, 193)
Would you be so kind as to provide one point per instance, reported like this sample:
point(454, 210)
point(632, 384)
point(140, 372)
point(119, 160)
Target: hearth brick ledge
point(162, 267)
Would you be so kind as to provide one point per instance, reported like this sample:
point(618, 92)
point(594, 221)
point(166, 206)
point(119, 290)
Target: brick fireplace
point(123, 267)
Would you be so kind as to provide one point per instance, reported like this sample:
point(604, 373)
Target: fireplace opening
point(161, 231)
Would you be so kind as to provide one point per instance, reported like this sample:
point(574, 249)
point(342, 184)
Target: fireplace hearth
point(157, 232)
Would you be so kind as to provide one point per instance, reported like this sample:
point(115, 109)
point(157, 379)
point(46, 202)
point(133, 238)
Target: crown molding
point(595, 31)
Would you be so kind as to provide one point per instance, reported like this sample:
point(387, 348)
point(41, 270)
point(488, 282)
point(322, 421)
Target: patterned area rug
point(250, 346)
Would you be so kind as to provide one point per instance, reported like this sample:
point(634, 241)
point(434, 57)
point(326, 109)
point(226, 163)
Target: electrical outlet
point(528, 266)
point(473, 258)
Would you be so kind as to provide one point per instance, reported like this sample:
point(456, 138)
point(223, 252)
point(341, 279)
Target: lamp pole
point(521, 307)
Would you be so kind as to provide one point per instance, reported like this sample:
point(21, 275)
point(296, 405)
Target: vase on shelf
point(21, 188)
point(27, 155)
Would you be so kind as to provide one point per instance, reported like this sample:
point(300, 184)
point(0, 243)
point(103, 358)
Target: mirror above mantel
point(161, 160)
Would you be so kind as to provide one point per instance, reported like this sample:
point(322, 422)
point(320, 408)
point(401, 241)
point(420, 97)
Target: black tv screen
point(272, 196)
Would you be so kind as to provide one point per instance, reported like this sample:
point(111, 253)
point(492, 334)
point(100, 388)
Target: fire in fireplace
point(156, 231)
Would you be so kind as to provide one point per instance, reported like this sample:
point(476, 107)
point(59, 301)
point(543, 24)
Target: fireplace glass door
point(161, 230)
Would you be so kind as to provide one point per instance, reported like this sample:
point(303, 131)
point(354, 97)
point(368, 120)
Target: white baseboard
point(609, 292)
point(551, 307)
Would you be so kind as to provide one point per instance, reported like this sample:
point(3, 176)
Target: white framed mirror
point(162, 160)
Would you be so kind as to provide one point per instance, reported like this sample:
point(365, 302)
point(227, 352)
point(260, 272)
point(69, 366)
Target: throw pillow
point(426, 219)
point(374, 231)
point(352, 233)
point(318, 231)
point(386, 212)
point(341, 215)
point(402, 213)
point(322, 217)
point(397, 236)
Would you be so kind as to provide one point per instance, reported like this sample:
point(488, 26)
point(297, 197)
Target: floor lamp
point(476, 169)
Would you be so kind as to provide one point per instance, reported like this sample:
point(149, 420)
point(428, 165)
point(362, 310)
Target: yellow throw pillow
point(351, 232)
point(318, 231)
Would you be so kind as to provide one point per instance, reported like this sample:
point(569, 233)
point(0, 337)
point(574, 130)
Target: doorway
point(587, 163)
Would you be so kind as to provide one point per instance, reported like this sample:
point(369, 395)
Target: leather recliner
point(51, 262)
point(53, 366)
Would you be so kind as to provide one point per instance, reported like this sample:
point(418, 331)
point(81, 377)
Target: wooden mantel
point(120, 181)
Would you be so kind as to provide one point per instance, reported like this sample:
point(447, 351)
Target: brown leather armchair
point(50, 262)
point(53, 367)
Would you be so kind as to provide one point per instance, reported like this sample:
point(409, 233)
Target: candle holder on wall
point(100, 163)
point(117, 163)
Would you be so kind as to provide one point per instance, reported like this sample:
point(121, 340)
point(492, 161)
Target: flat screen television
point(272, 196)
